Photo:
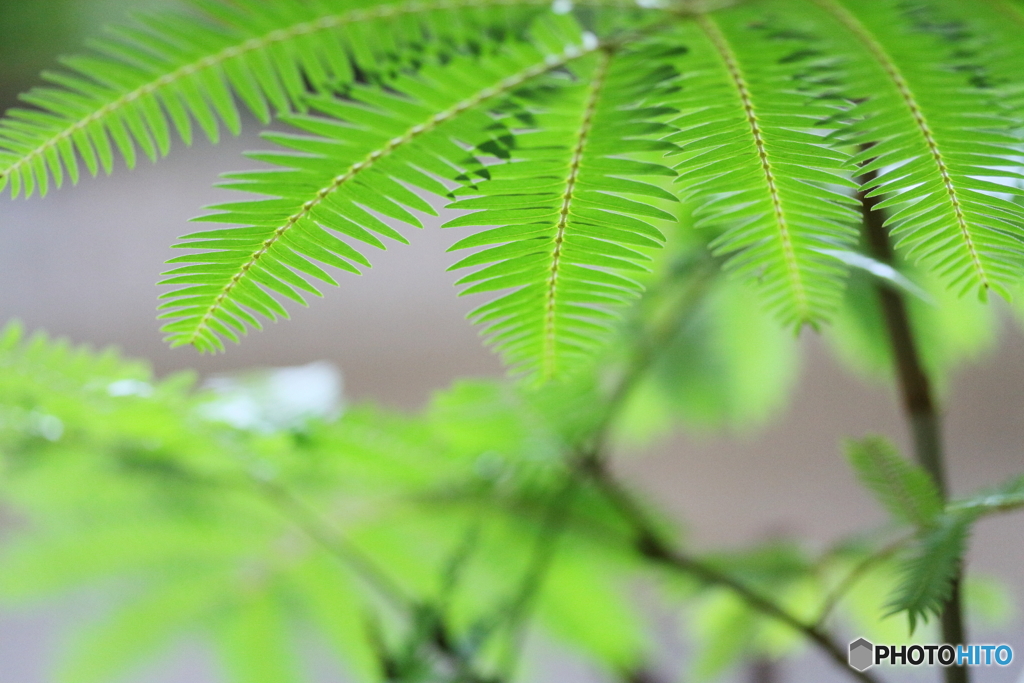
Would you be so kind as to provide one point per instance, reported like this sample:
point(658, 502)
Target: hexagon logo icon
point(862, 654)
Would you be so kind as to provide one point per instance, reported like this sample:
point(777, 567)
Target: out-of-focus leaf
point(866, 606)
point(732, 365)
point(927, 575)
point(334, 606)
point(724, 628)
point(255, 642)
point(903, 488)
point(143, 627)
point(583, 603)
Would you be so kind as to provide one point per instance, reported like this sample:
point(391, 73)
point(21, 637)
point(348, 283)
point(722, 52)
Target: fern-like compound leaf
point(172, 71)
point(927, 577)
point(329, 185)
point(755, 164)
point(566, 233)
point(938, 148)
point(903, 488)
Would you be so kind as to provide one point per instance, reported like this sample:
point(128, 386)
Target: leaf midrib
point(731, 63)
point(582, 136)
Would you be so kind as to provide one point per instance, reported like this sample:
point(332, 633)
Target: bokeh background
point(83, 264)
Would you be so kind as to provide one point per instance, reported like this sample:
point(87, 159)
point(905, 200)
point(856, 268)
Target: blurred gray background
point(83, 263)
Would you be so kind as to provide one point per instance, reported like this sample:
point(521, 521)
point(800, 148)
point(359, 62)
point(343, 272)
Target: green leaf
point(584, 605)
point(755, 167)
point(334, 606)
point(725, 628)
point(927, 577)
point(170, 68)
point(566, 237)
point(359, 157)
point(255, 641)
point(942, 168)
point(903, 488)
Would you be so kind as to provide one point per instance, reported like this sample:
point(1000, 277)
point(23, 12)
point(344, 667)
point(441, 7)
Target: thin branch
point(519, 608)
point(333, 542)
point(647, 350)
point(856, 574)
point(918, 402)
point(651, 343)
point(649, 542)
point(652, 546)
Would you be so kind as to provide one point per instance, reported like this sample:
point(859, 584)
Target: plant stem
point(652, 546)
point(651, 343)
point(518, 609)
point(697, 274)
point(291, 507)
point(918, 403)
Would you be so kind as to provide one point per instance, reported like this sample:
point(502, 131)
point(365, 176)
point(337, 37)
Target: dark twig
point(652, 546)
point(918, 402)
point(649, 542)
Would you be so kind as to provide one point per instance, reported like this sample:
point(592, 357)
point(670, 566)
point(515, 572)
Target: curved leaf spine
point(729, 60)
point(593, 97)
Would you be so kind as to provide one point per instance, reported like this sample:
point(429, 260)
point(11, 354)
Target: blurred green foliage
point(415, 547)
point(422, 547)
point(33, 31)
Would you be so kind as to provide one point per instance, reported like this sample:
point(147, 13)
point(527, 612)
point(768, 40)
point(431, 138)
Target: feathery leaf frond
point(755, 169)
point(566, 237)
point(354, 163)
point(904, 489)
point(938, 148)
point(147, 80)
point(928, 574)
